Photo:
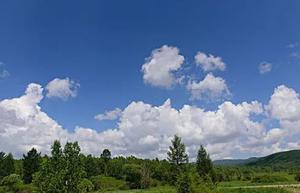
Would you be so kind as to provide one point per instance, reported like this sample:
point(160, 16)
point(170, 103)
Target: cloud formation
point(159, 68)
point(208, 62)
point(109, 115)
point(211, 88)
point(264, 67)
point(62, 88)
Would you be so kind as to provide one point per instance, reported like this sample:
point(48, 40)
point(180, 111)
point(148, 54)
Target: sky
point(128, 75)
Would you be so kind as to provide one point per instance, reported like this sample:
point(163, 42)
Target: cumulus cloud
point(24, 125)
point(109, 115)
point(145, 130)
point(264, 67)
point(62, 88)
point(210, 88)
point(209, 62)
point(3, 72)
point(160, 67)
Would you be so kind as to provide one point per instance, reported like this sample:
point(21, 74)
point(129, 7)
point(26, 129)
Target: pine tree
point(176, 153)
point(62, 172)
point(106, 156)
point(204, 165)
point(31, 164)
point(7, 164)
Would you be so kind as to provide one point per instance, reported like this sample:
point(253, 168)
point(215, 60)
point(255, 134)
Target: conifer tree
point(31, 164)
point(176, 153)
point(204, 165)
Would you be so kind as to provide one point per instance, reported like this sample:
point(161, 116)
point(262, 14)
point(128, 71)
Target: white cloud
point(160, 67)
point(264, 67)
point(209, 62)
point(24, 125)
point(109, 115)
point(62, 88)
point(145, 130)
point(210, 88)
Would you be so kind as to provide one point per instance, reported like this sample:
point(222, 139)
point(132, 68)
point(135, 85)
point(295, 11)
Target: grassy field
point(220, 190)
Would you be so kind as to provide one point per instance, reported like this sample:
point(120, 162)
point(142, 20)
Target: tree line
point(67, 170)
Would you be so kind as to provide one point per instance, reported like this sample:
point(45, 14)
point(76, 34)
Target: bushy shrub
point(133, 175)
point(183, 184)
point(107, 183)
point(11, 181)
point(85, 186)
point(266, 178)
point(297, 177)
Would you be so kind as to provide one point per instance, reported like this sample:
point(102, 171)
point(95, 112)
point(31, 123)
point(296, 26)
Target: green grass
point(161, 189)
point(253, 190)
point(167, 189)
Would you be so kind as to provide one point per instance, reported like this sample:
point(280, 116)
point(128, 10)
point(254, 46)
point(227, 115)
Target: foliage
point(61, 172)
point(85, 186)
point(107, 183)
point(145, 181)
point(183, 184)
point(7, 165)
point(176, 153)
point(297, 177)
point(268, 178)
point(11, 181)
point(285, 159)
point(133, 175)
point(204, 165)
point(31, 164)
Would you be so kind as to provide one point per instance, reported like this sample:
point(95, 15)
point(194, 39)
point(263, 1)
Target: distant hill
point(234, 162)
point(282, 159)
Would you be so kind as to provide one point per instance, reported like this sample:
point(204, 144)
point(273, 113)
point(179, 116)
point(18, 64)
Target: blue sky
point(102, 45)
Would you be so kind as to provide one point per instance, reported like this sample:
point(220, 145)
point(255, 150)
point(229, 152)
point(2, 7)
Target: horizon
point(128, 76)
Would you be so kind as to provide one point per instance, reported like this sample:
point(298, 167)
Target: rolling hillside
point(234, 162)
point(283, 159)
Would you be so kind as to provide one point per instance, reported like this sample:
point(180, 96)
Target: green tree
point(50, 179)
point(145, 181)
point(183, 184)
point(106, 156)
point(11, 181)
point(204, 165)
point(7, 165)
point(31, 164)
point(176, 153)
point(85, 186)
point(62, 172)
point(73, 167)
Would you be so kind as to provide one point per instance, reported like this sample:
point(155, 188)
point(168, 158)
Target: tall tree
point(176, 153)
point(73, 167)
point(31, 164)
point(62, 172)
point(7, 165)
point(106, 156)
point(204, 164)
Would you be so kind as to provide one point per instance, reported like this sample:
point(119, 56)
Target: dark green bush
point(297, 177)
point(184, 184)
point(85, 186)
